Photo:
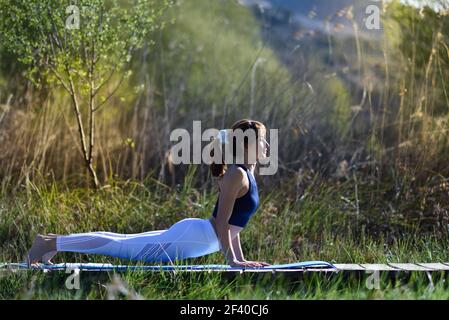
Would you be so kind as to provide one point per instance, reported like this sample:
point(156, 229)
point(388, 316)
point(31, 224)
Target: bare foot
point(42, 250)
point(46, 258)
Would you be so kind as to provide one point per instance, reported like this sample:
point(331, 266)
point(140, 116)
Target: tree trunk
point(93, 175)
point(86, 153)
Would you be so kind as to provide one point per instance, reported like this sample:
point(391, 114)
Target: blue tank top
point(246, 206)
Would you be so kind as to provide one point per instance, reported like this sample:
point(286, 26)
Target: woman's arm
point(237, 248)
point(239, 253)
point(231, 185)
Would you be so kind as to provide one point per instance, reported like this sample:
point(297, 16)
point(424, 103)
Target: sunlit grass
point(388, 205)
point(317, 228)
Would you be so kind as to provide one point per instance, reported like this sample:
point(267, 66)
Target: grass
point(192, 286)
point(391, 205)
point(320, 226)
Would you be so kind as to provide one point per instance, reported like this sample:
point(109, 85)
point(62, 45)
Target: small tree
point(82, 46)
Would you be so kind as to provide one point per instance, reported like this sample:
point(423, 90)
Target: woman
point(192, 237)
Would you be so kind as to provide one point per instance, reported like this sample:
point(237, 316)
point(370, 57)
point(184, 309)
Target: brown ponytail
point(218, 169)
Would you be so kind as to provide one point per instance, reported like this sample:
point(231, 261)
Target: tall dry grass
point(386, 129)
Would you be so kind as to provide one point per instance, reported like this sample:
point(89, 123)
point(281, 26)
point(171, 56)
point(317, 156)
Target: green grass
point(319, 226)
point(397, 143)
point(166, 285)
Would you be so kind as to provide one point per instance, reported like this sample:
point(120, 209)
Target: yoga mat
point(106, 266)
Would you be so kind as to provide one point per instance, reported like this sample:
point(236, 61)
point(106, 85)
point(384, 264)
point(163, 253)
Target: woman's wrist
point(230, 258)
point(235, 260)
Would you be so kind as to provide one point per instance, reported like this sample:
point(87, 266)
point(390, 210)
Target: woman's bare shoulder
point(234, 174)
point(235, 171)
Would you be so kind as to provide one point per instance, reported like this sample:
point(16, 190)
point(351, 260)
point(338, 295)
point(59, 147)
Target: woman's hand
point(263, 264)
point(245, 263)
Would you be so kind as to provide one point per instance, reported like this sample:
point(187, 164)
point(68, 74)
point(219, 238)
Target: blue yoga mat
point(106, 266)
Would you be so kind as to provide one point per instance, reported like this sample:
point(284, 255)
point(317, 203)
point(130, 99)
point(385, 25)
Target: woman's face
point(261, 147)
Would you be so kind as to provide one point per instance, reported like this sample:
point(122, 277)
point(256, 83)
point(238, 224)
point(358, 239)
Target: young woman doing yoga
point(238, 200)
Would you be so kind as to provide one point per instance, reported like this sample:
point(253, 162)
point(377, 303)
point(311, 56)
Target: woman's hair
point(218, 169)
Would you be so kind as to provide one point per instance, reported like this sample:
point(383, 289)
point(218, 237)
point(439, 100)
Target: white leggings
point(188, 238)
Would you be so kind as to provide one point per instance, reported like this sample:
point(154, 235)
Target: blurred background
point(362, 114)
